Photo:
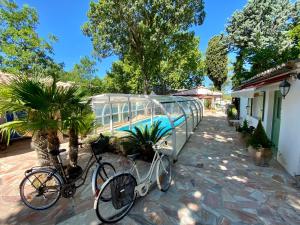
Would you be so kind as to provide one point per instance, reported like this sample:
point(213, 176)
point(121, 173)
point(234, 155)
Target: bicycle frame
point(143, 183)
point(83, 176)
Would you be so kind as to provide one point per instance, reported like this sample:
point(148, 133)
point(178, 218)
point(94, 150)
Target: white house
point(262, 98)
point(203, 93)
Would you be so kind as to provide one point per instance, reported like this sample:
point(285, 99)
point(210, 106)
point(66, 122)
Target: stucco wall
point(243, 109)
point(289, 138)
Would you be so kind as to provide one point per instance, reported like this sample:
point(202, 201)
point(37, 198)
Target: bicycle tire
point(168, 176)
point(99, 208)
point(100, 175)
point(46, 173)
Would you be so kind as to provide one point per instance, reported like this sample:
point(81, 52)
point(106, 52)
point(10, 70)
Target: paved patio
point(215, 182)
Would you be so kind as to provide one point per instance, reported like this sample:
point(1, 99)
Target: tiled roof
point(284, 68)
point(199, 91)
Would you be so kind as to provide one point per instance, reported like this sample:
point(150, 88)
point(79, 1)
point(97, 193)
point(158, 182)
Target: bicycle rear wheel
point(163, 173)
point(121, 187)
point(40, 189)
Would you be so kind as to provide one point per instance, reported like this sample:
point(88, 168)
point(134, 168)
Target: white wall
point(289, 138)
point(243, 109)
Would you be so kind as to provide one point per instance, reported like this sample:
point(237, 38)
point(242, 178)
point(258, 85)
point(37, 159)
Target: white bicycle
point(118, 193)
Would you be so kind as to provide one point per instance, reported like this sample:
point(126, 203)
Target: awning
point(247, 92)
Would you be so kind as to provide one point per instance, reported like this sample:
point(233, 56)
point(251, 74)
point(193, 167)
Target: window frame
point(263, 95)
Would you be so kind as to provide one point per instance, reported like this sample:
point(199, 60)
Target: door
point(276, 120)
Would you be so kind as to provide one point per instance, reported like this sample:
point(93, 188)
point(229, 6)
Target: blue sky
point(64, 18)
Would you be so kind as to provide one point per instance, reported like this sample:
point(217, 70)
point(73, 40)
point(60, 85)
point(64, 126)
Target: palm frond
point(154, 130)
point(9, 128)
point(140, 135)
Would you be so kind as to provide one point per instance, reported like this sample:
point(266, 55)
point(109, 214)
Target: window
point(257, 105)
point(249, 107)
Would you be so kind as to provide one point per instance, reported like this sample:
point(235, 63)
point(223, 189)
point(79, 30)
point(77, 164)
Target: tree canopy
point(145, 32)
point(258, 35)
point(22, 51)
point(216, 61)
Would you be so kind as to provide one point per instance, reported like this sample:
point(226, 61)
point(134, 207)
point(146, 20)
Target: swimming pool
point(164, 122)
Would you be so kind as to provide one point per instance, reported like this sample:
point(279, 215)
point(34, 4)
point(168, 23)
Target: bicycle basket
point(101, 145)
point(122, 190)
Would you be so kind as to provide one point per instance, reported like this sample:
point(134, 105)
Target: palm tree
point(75, 117)
point(42, 100)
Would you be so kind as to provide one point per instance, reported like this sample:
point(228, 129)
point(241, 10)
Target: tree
point(121, 78)
point(73, 116)
point(260, 28)
point(182, 66)
point(216, 61)
point(85, 69)
point(141, 30)
point(294, 35)
point(43, 102)
point(22, 51)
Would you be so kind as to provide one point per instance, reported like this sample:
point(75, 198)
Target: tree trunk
point(145, 87)
point(39, 144)
point(53, 144)
point(145, 81)
point(73, 147)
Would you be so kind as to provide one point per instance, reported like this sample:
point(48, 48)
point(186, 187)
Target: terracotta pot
point(252, 151)
point(261, 156)
point(245, 137)
point(229, 122)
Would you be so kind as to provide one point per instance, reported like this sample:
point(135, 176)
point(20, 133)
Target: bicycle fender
point(94, 177)
point(48, 170)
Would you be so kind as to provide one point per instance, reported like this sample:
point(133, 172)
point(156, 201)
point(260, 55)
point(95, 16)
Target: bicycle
point(118, 193)
point(42, 187)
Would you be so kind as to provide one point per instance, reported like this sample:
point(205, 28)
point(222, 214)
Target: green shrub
point(207, 104)
point(232, 112)
point(245, 129)
point(259, 138)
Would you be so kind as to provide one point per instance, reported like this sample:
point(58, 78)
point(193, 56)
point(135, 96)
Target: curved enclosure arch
point(116, 113)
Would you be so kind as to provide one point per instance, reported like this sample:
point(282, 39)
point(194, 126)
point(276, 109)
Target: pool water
point(164, 123)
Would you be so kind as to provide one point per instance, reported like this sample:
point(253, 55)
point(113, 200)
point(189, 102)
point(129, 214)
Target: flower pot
point(245, 137)
point(260, 156)
point(230, 123)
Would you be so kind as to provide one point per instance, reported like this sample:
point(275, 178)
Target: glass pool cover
point(120, 112)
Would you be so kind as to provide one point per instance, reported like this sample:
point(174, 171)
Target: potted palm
point(260, 146)
point(142, 140)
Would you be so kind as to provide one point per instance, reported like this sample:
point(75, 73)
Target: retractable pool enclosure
point(119, 112)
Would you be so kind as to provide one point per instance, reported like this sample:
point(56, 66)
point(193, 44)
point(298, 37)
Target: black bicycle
point(43, 186)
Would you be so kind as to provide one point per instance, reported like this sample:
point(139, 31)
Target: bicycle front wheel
point(101, 174)
point(40, 189)
point(121, 188)
point(163, 173)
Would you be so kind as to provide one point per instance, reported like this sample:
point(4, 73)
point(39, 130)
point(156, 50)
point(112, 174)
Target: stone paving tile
point(215, 183)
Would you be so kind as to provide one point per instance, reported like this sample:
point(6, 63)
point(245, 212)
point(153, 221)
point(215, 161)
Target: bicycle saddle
point(133, 156)
point(56, 152)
